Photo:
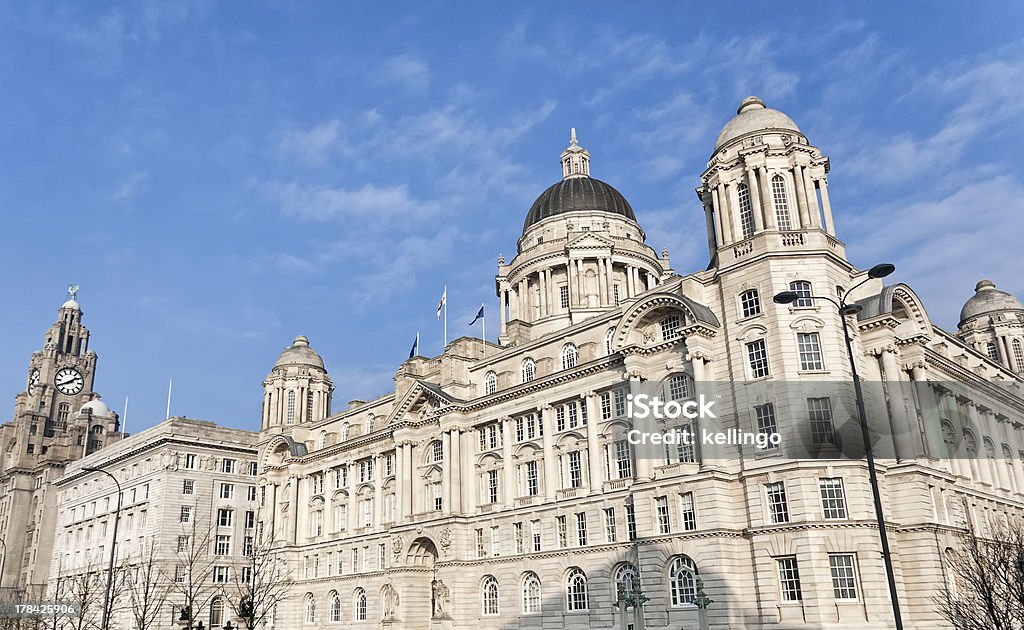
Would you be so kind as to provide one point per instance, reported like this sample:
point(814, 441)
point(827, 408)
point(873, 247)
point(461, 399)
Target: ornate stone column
point(826, 206)
point(593, 442)
point(400, 490)
point(644, 465)
point(709, 225)
point(456, 490)
point(446, 473)
point(935, 447)
point(755, 199)
point(378, 490)
point(767, 203)
point(801, 196)
point(609, 281)
point(469, 496)
point(719, 223)
point(812, 200)
point(897, 404)
point(353, 500)
point(508, 470)
point(981, 469)
point(709, 456)
point(409, 472)
point(550, 465)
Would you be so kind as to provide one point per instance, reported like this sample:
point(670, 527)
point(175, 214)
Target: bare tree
point(985, 588)
point(264, 580)
point(84, 589)
point(146, 588)
point(192, 577)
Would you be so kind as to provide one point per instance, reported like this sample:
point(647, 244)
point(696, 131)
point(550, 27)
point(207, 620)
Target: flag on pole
point(415, 347)
point(440, 307)
point(479, 315)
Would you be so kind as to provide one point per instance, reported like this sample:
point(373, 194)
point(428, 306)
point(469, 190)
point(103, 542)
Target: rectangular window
point(820, 412)
point(227, 491)
point(610, 534)
point(367, 512)
point(563, 294)
point(623, 463)
point(789, 579)
point(247, 544)
point(220, 575)
point(631, 521)
point(606, 406)
point(179, 575)
point(186, 514)
point(619, 397)
point(563, 537)
point(767, 425)
point(190, 461)
point(481, 551)
point(250, 493)
point(532, 481)
point(833, 499)
point(750, 303)
point(188, 486)
point(253, 469)
point(382, 555)
point(664, 525)
point(228, 466)
point(223, 546)
point(225, 517)
point(535, 534)
point(809, 345)
point(688, 511)
point(757, 355)
point(670, 328)
point(182, 544)
point(778, 509)
point(560, 418)
point(517, 530)
point(492, 486)
point(341, 517)
point(844, 581)
point(575, 470)
point(495, 541)
point(438, 498)
point(581, 529)
point(615, 294)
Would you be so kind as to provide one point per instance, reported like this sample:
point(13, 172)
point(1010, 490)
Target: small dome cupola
point(575, 159)
point(988, 299)
point(754, 116)
point(992, 322)
point(298, 389)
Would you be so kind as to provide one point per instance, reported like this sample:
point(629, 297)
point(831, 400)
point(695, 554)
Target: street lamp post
point(3, 563)
point(845, 310)
point(702, 601)
point(105, 624)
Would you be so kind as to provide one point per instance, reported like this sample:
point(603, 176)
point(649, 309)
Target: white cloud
point(368, 203)
point(130, 188)
point(311, 145)
point(406, 71)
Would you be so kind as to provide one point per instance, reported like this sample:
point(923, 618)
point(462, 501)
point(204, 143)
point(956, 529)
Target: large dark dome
point(578, 193)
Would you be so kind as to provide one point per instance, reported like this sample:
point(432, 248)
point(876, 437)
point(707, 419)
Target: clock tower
point(58, 418)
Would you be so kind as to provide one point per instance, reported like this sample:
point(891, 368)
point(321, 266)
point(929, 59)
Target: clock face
point(69, 381)
point(33, 380)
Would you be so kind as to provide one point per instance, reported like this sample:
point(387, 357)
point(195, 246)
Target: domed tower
point(765, 189)
point(581, 251)
point(298, 389)
point(992, 322)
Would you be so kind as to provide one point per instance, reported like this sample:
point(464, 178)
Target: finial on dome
point(984, 285)
point(301, 340)
point(575, 159)
point(749, 103)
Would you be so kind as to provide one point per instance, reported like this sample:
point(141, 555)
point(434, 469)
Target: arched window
point(216, 612)
point(489, 595)
point(369, 423)
point(436, 451)
point(490, 383)
point(746, 211)
point(310, 608)
point(949, 437)
point(608, 340)
point(309, 405)
point(992, 352)
point(345, 431)
point(531, 593)
point(781, 202)
point(291, 407)
point(335, 606)
point(679, 387)
point(63, 411)
point(576, 590)
point(1018, 354)
point(322, 443)
point(970, 443)
point(682, 581)
point(569, 356)
point(626, 580)
point(802, 288)
point(529, 370)
point(360, 607)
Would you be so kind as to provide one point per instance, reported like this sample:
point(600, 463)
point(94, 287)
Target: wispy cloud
point(312, 145)
point(368, 203)
point(404, 71)
point(130, 188)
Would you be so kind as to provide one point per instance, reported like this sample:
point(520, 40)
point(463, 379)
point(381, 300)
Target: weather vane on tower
point(73, 291)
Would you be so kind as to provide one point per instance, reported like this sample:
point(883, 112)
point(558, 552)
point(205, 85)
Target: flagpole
point(170, 383)
point(445, 319)
point(124, 420)
point(483, 324)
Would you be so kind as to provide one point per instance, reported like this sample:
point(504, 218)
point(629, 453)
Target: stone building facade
point(58, 419)
point(495, 487)
point(189, 508)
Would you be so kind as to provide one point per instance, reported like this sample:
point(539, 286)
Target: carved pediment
point(590, 242)
point(422, 400)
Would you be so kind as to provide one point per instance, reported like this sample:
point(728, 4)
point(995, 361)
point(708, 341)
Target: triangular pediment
point(590, 241)
point(421, 400)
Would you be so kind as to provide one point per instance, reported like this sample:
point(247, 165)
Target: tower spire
point(575, 159)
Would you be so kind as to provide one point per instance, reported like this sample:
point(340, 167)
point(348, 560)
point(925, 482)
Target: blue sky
point(222, 177)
